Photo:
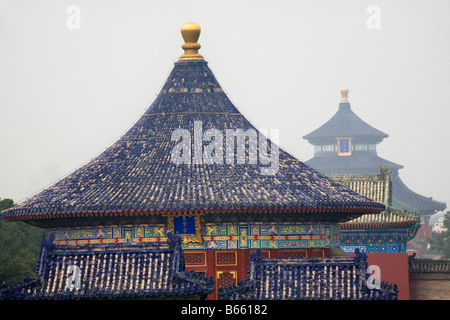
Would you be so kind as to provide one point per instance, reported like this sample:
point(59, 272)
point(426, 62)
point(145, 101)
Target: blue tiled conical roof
point(137, 174)
point(345, 123)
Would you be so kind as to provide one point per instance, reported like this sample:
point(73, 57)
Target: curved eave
point(414, 200)
point(42, 216)
point(390, 219)
point(379, 225)
point(355, 161)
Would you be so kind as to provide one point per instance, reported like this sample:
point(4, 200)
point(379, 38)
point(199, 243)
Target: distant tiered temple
point(346, 145)
point(173, 208)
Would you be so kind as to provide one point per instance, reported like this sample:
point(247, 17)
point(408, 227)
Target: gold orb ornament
point(344, 95)
point(190, 32)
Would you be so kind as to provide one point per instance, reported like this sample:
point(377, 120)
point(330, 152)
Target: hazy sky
point(75, 75)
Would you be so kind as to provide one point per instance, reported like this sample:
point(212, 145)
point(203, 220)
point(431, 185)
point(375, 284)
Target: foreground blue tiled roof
point(110, 272)
point(334, 278)
point(136, 174)
point(345, 123)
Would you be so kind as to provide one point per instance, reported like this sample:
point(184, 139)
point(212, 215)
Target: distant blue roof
point(357, 163)
point(405, 196)
point(137, 175)
point(345, 123)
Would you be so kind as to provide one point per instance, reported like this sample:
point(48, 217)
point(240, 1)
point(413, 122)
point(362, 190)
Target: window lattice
point(292, 254)
point(226, 258)
point(226, 278)
point(194, 259)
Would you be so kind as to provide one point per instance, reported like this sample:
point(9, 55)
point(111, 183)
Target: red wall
point(393, 269)
point(230, 266)
point(393, 266)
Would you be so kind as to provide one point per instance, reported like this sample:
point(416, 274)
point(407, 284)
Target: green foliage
point(6, 204)
point(441, 242)
point(19, 247)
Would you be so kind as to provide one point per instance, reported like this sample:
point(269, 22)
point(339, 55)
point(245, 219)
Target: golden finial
point(344, 95)
point(190, 32)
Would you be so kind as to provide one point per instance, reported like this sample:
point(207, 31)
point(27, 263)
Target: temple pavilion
point(345, 150)
point(193, 200)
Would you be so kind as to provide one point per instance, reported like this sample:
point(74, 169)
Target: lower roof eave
point(378, 225)
point(342, 214)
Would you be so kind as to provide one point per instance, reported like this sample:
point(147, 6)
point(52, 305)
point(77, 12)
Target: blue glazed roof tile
point(424, 205)
point(345, 123)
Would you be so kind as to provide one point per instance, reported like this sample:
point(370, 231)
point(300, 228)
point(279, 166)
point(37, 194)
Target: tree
point(6, 204)
point(441, 242)
point(19, 247)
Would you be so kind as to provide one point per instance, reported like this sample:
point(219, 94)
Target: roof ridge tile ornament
point(345, 123)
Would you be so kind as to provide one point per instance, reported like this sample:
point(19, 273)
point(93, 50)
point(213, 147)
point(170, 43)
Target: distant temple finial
point(190, 32)
point(344, 95)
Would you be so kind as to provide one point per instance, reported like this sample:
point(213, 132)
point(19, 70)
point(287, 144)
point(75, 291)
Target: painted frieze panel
point(211, 236)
